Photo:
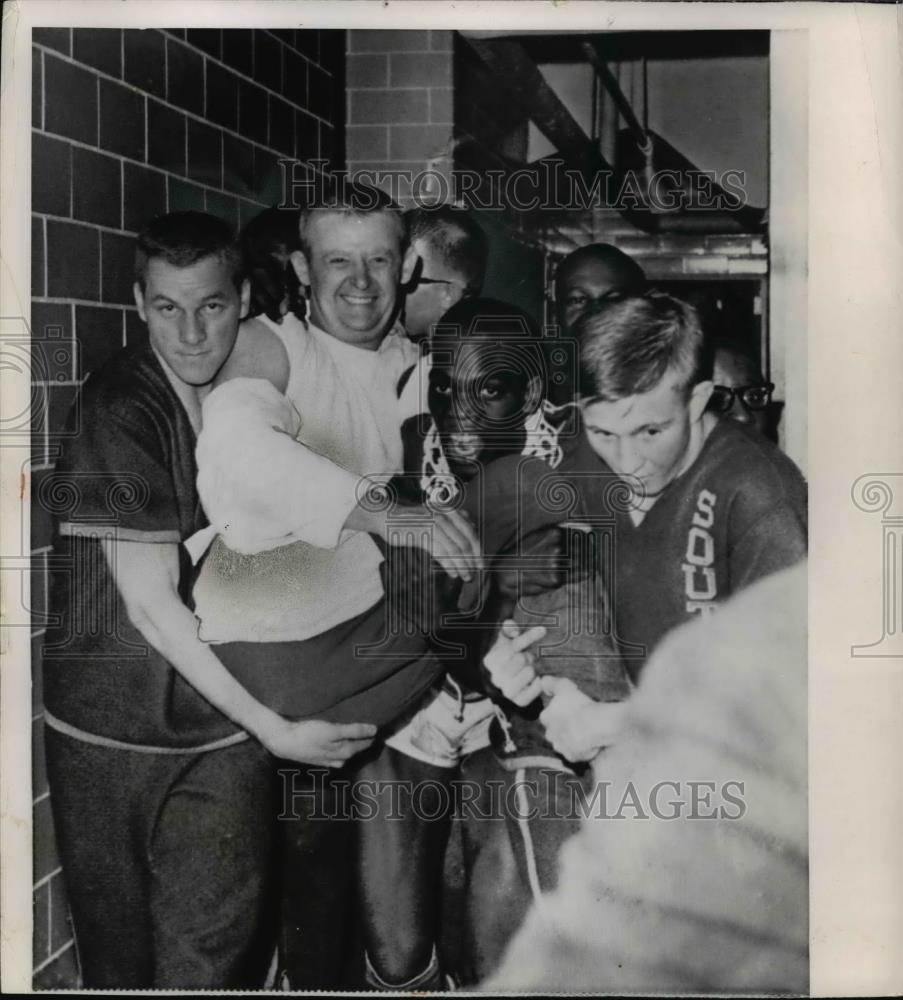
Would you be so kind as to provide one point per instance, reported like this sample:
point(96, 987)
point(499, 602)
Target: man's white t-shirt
point(278, 475)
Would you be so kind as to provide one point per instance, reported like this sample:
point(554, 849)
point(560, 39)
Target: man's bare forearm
point(147, 578)
point(172, 631)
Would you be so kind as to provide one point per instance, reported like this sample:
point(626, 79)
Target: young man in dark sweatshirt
point(161, 781)
point(710, 505)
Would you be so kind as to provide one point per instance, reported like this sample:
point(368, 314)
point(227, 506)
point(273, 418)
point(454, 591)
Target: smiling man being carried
point(292, 587)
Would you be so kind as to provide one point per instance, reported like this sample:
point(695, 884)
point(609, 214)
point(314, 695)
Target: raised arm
point(262, 488)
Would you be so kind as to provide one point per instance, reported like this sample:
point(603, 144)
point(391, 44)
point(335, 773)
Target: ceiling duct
point(657, 188)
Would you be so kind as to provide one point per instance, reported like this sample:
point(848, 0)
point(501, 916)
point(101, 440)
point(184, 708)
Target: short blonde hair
point(343, 196)
point(627, 345)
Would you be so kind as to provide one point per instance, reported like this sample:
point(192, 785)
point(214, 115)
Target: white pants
point(444, 727)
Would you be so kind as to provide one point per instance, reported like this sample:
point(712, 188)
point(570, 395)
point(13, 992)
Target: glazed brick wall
point(399, 102)
point(127, 124)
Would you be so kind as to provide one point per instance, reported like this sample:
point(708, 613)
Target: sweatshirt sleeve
point(775, 541)
point(261, 488)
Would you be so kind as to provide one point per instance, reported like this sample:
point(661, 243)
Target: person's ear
point(245, 296)
point(699, 399)
point(408, 263)
point(139, 301)
point(300, 266)
point(533, 395)
point(450, 294)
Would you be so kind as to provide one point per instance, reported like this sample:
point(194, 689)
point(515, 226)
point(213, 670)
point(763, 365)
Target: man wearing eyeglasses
point(740, 390)
point(451, 254)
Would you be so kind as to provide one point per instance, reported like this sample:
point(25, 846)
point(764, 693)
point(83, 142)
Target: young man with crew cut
point(712, 504)
point(161, 783)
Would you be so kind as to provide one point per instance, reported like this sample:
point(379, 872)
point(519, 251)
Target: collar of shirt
point(189, 396)
point(396, 341)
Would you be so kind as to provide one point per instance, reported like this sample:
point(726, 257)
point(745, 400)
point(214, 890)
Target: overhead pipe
point(514, 67)
point(510, 62)
point(641, 137)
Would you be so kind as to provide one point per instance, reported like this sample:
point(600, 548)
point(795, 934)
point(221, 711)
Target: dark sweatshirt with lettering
point(736, 515)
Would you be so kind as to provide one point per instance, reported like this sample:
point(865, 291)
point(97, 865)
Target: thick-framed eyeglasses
point(752, 397)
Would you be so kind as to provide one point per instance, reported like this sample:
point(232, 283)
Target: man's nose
point(571, 314)
point(464, 414)
point(360, 274)
point(629, 458)
point(462, 418)
point(739, 413)
point(193, 330)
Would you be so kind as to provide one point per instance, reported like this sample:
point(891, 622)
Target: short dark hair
point(491, 321)
point(184, 238)
point(629, 344)
point(740, 347)
point(267, 242)
point(455, 237)
point(341, 195)
point(631, 277)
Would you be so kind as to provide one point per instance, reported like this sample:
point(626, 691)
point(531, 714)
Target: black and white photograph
point(414, 485)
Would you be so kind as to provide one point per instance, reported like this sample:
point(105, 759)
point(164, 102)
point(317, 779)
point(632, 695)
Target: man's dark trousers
point(166, 860)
